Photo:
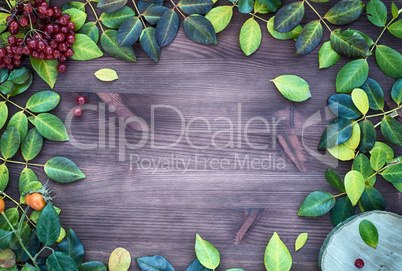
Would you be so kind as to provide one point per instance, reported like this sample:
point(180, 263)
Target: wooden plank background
point(237, 210)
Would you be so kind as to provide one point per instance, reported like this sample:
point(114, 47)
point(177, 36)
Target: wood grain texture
point(150, 211)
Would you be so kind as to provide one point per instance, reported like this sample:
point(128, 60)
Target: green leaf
point(115, 19)
point(342, 210)
point(10, 142)
point(345, 12)
point(374, 93)
point(350, 32)
point(377, 13)
point(283, 36)
point(4, 177)
point(48, 227)
point(389, 61)
point(91, 30)
point(309, 38)
point(77, 16)
point(389, 152)
point(167, 28)
point(19, 121)
point(277, 256)
point(327, 56)
point(119, 260)
point(32, 245)
point(93, 266)
point(350, 44)
point(7, 87)
point(149, 44)
point(28, 181)
point(393, 174)
point(368, 232)
point(111, 5)
point(260, 8)
point(272, 5)
point(110, 45)
point(289, 17)
point(5, 239)
point(46, 69)
point(377, 159)
point(72, 246)
point(372, 199)
point(354, 185)
point(342, 152)
point(293, 87)
point(36, 214)
point(391, 130)
point(63, 170)
point(197, 266)
point(317, 203)
point(12, 215)
point(394, 11)
point(250, 37)
point(3, 114)
point(28, 267)
point(337, 132)
point(195, 6)
point(396, 92)
point(368, 136)
point(129, 32)
point(19, 76)
point(362, 164)
point(200, 30)
point(85, 48)
point(335, 180)
point(360, 99)
point(3, 72)
point(60, 261)
point(301, 240)
point(153, 14)
point(77, 5)
point(51, 127)
point(220, 17)
point(32, 145)
point(206, 253)
point(18, 89)
point(106, 75)
point(352, 75)
point(342, 106)
point(245, 6)
point(155, 262)
point(396, 29)
point(43, 101)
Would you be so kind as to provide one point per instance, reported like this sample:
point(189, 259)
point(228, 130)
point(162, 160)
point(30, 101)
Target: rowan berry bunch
point(46, 34)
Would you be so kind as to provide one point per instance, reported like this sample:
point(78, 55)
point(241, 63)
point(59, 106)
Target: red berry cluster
point(49, 34)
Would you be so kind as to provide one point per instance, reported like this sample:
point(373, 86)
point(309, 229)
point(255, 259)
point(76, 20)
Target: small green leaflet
point(301, 240)
point(3, 114)
point(10, 142)
point(350, 43)
point(60, 261)
point(115, 19)
point(389, 61)
point(155, 262)
point(377, 159)
point(342, 210)
point(354, 184)
point(293, 87)
point(369, 233)
point(91, 30)
point(154, 13)
point(63, 170)
point(372, 199)
point(342, 106)
point(206, 253)
point(110, 45)
point(260, 8)
point(394, 10)
point(393, 174)
point(199, 29)
point(149, 44)
point(389, 152)
point(48, 226)
point(289, 17)
point(200, 7)
point(19, 121)
point(245, 6)
point(345, 12)
point(129, 31)
point(250, 37)
point(220, 17)
point(85, 48)
point(361, 101)
point(46, 69)
point(391, 129)
point(327, 56)
point(337, 132)
point(293, 34)
point(43, 101)
point(374, 93)
point(32, 145)
point(396, 92)
point(396, 29)
point(28, 181)
point(72, 246)
point(77, 16)
point(51, 127)
point(277, 256)
point(4, 177)
point(352, 75)
point(106, 75)
point(368, 136)
point(309, 38)
point(317, 203)
point(335, 180)
point(377, 13)
point(167, 28)
point(111, 5)
point(362, 164)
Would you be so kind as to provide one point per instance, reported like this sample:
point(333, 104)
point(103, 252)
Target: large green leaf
point(349, 44)
point(155, 262)
point(372, 199)
point(28, 181)
point(115, 19)
point(309, 38)
point(377, 13)
point(63, 170)
point(337, 132)
point(10, 142)
point(374, 93)
point(277, 256)
point(396, 92)
point(342, 106)
point(206, 253)
point(110, 45)
point(72, 246)
point(389, 61)
point(391, 129)
point(352, 75)
point(327, 56)
point(368, 136)
point(43, 101)
point(32, 144)
point(85, 48)
point(293, 87)
point(245, 6)
point(129, 32)
point(19, 121)
point(60, 261)
point(4, 177)
point(199, 29)
point(250, 37)
point(3, 114)
point(345, 12)
point(368, 232)
point(393, 174)
point(111, 5)
point(354, 185)
point(289, 17)
point(93, 266)
point(195, 6)
point(149, 44)
point(167, 27)
point(361, 101)
point(51, 127)
point(317, 203)
point(220, 17)
point(260, 8)
point(48, 226)
point(293, 34)
point(154, 13)
point(342, 210)
point(5, 239)
point(77, 16)
point(91, 30)
point(46, 69)
point(335, 180)
point(362, 164)
point(377, 159)
point(396, 29)
point(389, 152)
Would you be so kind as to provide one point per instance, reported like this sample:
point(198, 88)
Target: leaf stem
point(139, 14)
point(318, 14)
point(21, 163)
point(341, 194)
point(382, 32)
point(96, 15)
point(178, 9)
point(40, 251)
point(385, 113)
point(18, 206)
point(9, 5)
point(7, 99)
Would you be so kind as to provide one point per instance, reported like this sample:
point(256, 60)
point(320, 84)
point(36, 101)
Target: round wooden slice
point(344, 245)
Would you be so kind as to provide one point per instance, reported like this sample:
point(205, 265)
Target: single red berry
point(71, 25)
point(81, 100)
point(67, 16)
point(77, 112)
point(70, 39)
point(23, 21)
point(59, 37)
point(12, 40)
point(2, 52)
point(32, 44)
point(64, 29)
point(50, 12)
point(359, 263)
point(61, 67)
point(63, 20)
point(69, 52)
